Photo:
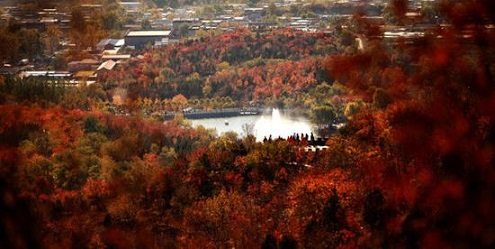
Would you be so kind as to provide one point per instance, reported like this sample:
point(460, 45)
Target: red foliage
point(432, 141)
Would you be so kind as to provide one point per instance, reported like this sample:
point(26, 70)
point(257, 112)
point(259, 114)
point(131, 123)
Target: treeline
point(278, 68)
point(50, 91)
point(92, 179)
point(227, 65)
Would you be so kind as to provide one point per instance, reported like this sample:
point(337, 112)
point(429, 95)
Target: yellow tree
point(228, 220)
point(179, 101)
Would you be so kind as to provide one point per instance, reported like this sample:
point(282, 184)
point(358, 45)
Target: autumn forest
point(411, 164)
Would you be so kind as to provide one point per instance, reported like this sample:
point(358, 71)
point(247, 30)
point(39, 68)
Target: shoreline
point(216, 113)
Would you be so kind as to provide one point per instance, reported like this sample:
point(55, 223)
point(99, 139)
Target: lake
point(275, 124)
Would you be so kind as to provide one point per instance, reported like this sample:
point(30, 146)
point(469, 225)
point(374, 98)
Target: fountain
point(279, 125)
point(272, 122)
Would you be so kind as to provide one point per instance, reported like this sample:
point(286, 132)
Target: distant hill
point(45, 3)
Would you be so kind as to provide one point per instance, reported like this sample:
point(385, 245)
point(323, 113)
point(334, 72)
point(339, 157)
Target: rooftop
point(115, 56)
point(45, 73)
point(88, 61)
point(108, 65)
point(85, 74)
point(142, 33)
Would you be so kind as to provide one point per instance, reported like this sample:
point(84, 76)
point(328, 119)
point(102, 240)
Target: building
point(104, 68)
point(83, 65)
point(182, 27)
point(109, 44)
point(87, 77)
point(139, 39)
point(134, 6)
point(57, 75)
point(115, 57)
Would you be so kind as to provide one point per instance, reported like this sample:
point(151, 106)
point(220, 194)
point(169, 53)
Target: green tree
point(323, 115)
point(352, 108)
point(109, 21)
point(31, 43)
point(9, 49)
point(184, 30)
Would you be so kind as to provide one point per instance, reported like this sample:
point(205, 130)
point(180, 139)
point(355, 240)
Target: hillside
point(413, 167)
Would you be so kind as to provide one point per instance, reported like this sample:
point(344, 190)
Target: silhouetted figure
point(270, 242)
point(320, 142)
point(288, 242)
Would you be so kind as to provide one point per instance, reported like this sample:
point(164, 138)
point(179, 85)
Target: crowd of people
point(300, 139)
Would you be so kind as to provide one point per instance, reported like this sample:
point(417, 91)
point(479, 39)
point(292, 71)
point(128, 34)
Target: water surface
point(275, 124)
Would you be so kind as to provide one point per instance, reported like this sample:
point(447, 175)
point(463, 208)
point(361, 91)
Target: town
point(81, 44)
point(273, 124)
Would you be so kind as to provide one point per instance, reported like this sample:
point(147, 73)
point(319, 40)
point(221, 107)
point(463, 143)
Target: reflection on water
point(275, 124)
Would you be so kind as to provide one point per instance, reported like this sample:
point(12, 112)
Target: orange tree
point(430, 178)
